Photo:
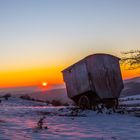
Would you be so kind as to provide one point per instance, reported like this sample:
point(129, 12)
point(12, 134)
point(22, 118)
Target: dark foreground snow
point(18, 121)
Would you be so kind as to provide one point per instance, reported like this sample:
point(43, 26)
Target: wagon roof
point(97, 54)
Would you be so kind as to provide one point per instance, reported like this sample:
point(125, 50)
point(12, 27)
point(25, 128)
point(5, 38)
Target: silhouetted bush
point(37, 100)
point(47, 102)
point(7, 96)
point(53, 102)
point(32, 99)
point(66, 104)
point(26, 97)
point(56, 103)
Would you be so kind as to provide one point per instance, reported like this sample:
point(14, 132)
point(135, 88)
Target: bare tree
point(131, 59)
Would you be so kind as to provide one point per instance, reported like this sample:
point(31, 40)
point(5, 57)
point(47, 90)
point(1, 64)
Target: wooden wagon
point(93, 80)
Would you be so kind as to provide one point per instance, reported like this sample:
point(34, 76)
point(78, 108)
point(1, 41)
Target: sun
point(44, 84)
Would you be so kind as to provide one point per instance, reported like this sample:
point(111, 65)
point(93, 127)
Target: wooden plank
point(105, 75)
point(76, 79)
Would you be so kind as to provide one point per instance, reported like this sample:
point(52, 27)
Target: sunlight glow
point(44, 84)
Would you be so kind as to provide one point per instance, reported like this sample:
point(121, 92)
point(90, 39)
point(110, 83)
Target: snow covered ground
point(130, 101)
point(18, 121)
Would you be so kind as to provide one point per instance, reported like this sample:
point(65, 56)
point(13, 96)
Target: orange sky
point(126, 74)
point(35, 77)
point(32, 77)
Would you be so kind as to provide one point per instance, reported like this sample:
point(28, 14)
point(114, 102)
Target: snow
point(132, 96)
point(130, 100)
point(131, 104)
point(18, 121)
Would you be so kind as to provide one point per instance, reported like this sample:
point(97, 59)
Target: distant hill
point(36, 93)
point(135, 79)
point(18, 90)
point(49, 95)
point(131, 87)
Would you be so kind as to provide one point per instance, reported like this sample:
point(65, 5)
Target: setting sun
point(44, 84)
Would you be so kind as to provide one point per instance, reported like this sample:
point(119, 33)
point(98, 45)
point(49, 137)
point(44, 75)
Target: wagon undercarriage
point(90, 100)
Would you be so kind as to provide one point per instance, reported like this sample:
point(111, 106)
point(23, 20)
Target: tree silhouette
point(131, 59)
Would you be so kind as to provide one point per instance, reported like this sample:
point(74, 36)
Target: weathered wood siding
point(76, 79)
point(104, 72)
point(99, 73)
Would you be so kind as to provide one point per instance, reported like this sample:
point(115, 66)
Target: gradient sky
point(39, 38)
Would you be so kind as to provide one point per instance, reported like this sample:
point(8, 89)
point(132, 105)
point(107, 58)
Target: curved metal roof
point(92, 55)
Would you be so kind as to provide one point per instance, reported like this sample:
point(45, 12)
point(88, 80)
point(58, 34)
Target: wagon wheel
point(84, 102)
point(116, 103)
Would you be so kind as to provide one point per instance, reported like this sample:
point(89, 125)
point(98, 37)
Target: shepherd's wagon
point(93, 80)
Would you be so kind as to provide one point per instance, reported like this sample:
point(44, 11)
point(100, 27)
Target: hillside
point(49, 95)
point(131, 87)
